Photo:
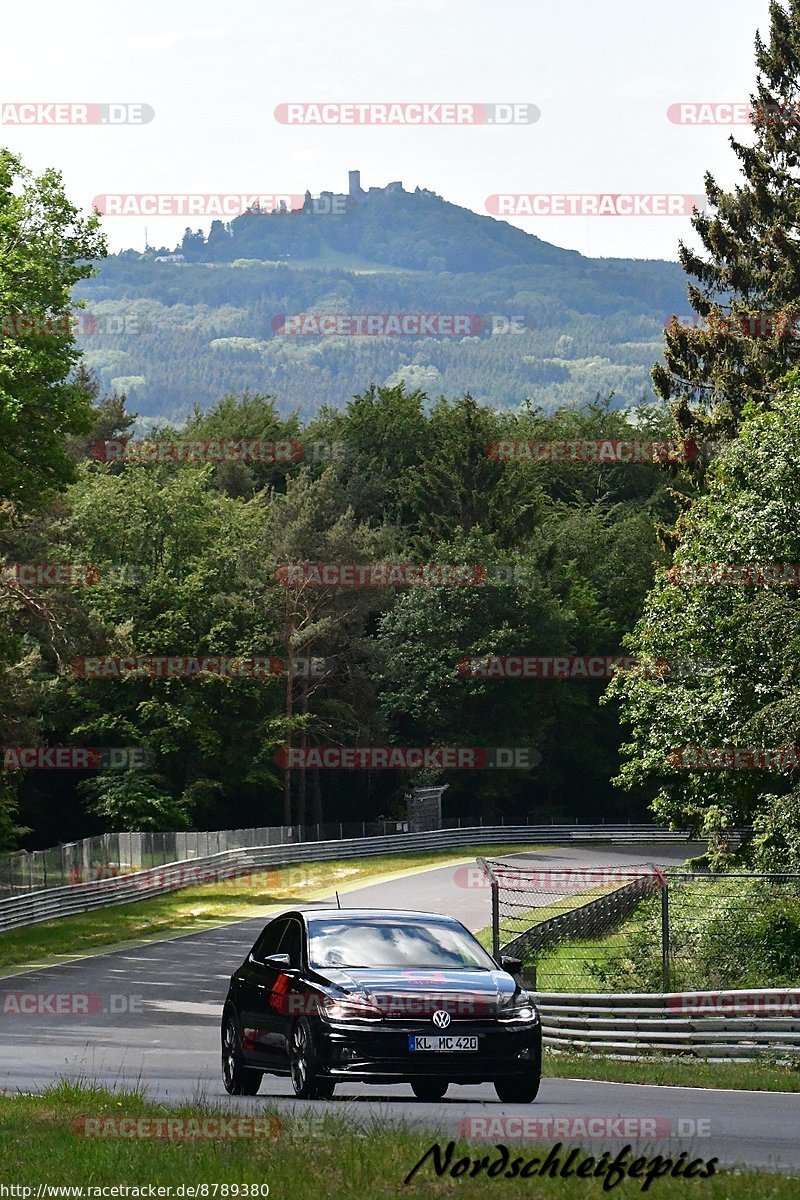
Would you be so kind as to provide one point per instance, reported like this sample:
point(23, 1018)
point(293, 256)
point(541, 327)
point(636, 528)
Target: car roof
point(408, 914)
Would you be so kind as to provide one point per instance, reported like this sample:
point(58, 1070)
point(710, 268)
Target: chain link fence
point(641, 929)
point(112, 854)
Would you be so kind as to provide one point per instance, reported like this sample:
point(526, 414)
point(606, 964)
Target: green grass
point(676, 1072)
point(331, 1160)
point(559, 970)
point(197, 908)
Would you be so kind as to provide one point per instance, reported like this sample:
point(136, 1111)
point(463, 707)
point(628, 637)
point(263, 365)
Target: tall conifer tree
point(746, 279)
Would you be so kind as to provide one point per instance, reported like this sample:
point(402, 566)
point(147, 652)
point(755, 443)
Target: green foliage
point(733, 646)
point(723, 935)
point(45, 248)
point(746, 281)
point(134, 800)
point(187, 557)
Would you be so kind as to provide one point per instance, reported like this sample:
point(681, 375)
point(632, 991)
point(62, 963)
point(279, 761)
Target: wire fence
point(641, 929)
point(114, 854)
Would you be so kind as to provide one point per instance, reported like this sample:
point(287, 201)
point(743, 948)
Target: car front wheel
point(237, 1079)
point(520, 1089)
point(308, 1084)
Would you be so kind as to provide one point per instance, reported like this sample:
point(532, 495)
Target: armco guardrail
point(727, 1025)
point(31, 908)
point(110, 854)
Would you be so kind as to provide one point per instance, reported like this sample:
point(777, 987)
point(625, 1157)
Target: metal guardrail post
point(665, 972)
point(495, 909)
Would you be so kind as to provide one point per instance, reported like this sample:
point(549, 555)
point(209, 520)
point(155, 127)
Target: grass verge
point(762, 1076)
point(330, 1157)
point(196, 908)
point(568, 966)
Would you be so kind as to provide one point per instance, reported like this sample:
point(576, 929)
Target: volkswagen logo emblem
point(441, 1019)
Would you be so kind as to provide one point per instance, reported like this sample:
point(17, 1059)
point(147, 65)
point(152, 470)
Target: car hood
point(420, 993)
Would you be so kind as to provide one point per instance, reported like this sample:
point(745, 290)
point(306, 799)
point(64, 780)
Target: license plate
point(439, 1044)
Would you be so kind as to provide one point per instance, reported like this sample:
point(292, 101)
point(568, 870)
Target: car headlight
point(520, 1009)
point(349, 1008)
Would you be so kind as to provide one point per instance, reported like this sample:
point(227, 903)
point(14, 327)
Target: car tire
point(237, 1079)
point(307, 1082)
point(517, 1089)
point(429, 1089)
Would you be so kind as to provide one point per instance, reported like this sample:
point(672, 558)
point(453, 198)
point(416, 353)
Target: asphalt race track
point(150, 1017)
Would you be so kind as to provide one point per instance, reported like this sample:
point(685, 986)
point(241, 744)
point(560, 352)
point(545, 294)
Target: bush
point(724, 933)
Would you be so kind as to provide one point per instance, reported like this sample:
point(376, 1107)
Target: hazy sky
point(603, 76)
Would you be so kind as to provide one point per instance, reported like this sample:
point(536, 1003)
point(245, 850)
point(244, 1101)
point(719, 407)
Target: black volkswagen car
point(378, 996)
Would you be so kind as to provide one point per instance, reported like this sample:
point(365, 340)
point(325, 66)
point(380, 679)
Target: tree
point(381, 435)
point(458, 486)
point(748, 279)
point(313, 523)
point(169, 547)
point(722, 657)
point(111, 420)
point(244, 418)
point(45, 248)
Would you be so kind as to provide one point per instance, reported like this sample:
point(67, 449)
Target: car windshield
point(354, 943)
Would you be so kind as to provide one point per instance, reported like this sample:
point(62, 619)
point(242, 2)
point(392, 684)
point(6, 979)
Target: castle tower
point(354, 184)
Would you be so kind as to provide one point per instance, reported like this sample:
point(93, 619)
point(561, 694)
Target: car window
point(291, 943)
point(377, 943)
point(269, 940)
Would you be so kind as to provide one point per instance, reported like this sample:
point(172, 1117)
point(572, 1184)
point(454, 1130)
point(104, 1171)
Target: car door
point(288, 991)
point(255, 983)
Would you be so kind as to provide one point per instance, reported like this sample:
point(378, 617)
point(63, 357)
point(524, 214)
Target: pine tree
point(748, 280)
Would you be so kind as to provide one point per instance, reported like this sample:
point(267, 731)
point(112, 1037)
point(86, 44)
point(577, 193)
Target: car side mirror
point(512, 965)
point(282, 962)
